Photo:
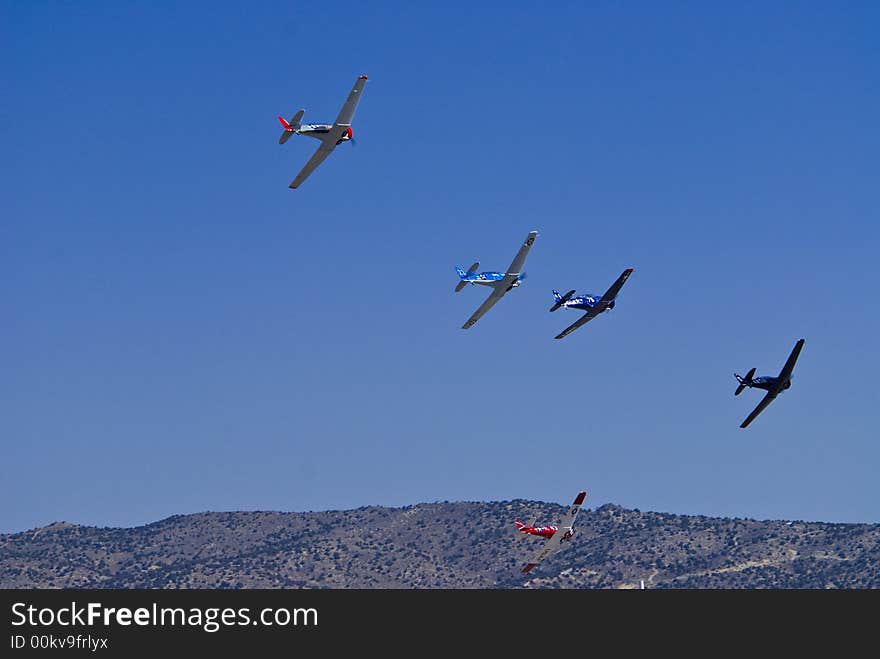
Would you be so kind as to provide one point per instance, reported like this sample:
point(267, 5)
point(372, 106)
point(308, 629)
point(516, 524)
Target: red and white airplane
point(556, 536)
point(330, 135)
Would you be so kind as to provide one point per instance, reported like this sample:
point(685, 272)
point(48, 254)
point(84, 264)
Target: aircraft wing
point(587, 317)
point(612, 292)
point(550, 545)
point(520, 258)
point(785, 373)
point(317, 158)
point(346, 114)
point(568, 521)
point(760, 408)
point(494, 296)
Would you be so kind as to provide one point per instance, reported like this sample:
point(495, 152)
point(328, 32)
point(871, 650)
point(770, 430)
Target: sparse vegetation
point(442, 545)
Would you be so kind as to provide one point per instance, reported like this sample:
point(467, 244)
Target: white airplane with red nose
point(331, 135)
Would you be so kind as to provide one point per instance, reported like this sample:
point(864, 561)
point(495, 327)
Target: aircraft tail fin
point(561, 299)
point(743, 381)
point(290, 127)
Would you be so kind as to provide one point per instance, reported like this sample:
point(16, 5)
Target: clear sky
point(181, 332)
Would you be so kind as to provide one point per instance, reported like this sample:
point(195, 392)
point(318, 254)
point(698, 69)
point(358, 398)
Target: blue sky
point(183, 333)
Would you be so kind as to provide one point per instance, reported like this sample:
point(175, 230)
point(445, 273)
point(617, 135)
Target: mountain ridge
point(465, 544)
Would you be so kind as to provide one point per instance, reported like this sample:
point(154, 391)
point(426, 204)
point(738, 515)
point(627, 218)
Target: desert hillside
point(442, 545)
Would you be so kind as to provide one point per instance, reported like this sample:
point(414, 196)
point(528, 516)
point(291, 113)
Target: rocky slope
point(443, 545)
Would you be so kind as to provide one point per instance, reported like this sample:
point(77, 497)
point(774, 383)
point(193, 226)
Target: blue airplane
point(500, 281)
point(592, 304)
point(772, 385)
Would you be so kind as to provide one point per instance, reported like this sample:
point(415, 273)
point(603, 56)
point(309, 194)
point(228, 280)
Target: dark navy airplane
point(773, 386)
point(592, 304)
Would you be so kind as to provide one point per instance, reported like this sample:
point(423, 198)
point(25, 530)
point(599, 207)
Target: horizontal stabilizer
point(463, 274)
point(744, 382)
point(562, 300)
point(519, 526)
point(290, 127)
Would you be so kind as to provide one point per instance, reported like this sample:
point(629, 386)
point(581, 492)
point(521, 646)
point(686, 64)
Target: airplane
point(590, 303)
point(554, 539)
point(773, 385)
point(331, 136)
point(500, 281)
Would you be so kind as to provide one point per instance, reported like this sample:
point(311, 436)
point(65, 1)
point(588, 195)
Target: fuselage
point(489, 278)
point(321, 132)
point(543, 531)
point(769, 383)
point(586, 302)
point(314, 130)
